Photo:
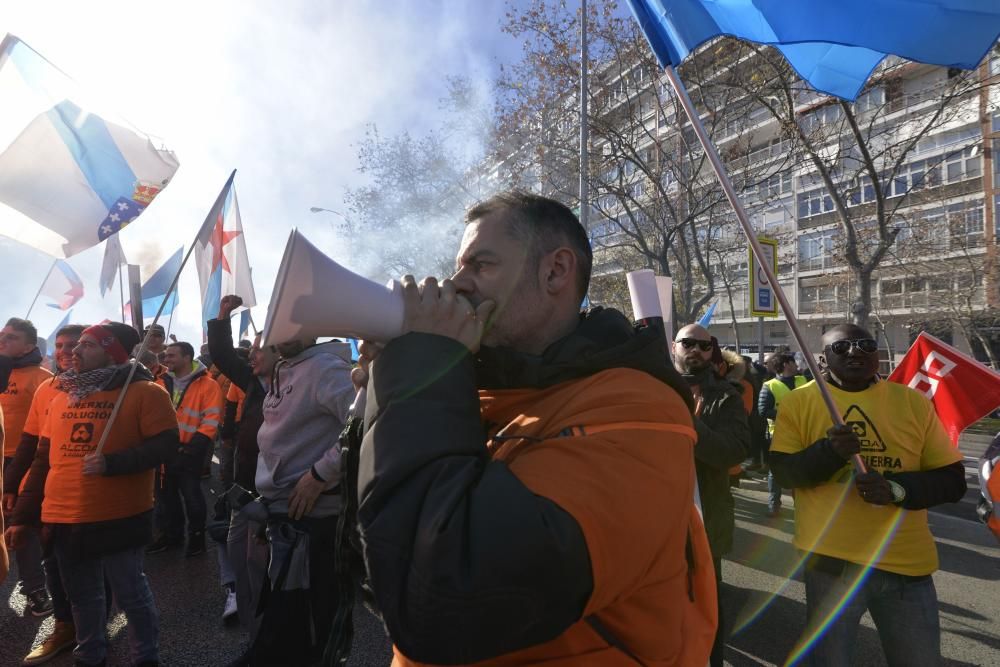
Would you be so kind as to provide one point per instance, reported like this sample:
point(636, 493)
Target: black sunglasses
point(866, 345)
point(688, 343)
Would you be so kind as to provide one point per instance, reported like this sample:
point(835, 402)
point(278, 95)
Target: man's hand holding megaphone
point(440, 309)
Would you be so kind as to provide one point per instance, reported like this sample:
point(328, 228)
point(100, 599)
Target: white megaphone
point(314, 297)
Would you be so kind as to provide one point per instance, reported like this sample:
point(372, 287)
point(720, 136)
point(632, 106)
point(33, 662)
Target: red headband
point(107, 340)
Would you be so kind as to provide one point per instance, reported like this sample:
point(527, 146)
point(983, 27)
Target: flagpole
point(170, 322)
point(40, 287)
point(121, 291)
point(159, 311)
point(762, 263)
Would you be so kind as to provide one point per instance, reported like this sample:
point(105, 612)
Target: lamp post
point(320, 209)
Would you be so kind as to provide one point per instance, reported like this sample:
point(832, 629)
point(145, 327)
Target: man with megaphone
point(526, 479)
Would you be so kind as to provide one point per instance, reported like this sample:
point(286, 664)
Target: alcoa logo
point(935, 367)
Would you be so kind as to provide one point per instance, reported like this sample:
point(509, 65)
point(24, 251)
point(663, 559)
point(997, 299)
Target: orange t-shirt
point(75, 430)
point(36, 423)
point(236, 395)
point(16, 403)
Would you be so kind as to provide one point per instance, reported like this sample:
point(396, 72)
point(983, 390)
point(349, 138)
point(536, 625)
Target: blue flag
point(244, 323)
point(155, 289)
point(706, 319)
point(833, 44)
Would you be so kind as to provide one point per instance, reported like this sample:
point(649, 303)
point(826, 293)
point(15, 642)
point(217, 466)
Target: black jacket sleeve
point(465, 562)
point(765, 403)
point(814, 465)
point(220, 347)
point(18, 467)
point(927, 488)
point(228, 431)
point(28, 510)
point(723, 435)
point(149, 453)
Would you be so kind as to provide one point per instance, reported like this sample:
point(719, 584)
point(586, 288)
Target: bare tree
point(419, 186)
point(658, 204)
point(862, 164)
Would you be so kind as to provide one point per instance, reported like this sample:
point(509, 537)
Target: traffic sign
point(762, 301)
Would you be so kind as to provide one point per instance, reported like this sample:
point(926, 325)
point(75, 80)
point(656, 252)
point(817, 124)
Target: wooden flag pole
point(741, 215)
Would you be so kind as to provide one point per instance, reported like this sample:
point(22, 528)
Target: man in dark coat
point(723, 441)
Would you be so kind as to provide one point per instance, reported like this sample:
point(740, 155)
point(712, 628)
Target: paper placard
point(644, 293)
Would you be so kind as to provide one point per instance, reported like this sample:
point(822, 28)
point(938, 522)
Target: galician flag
point(62, 286)
point(69, 178)
point(221, 255)
point(962, 389)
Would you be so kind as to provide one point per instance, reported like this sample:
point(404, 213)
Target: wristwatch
point(898, 491)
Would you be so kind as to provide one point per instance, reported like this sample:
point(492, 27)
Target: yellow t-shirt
point(75, 430)
point(899, 432)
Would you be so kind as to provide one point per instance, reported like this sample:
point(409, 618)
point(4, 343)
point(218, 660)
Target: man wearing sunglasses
point(723, 441)
point(845, 521)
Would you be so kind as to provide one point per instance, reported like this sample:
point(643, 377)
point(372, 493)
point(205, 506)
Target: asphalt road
point(190, 601)
point(765, 606)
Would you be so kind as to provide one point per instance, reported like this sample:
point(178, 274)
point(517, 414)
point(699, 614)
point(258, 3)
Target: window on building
point(891, 293)
point(818, 299)
point(819, 118)
point(816, 250)
point(773, 220)
point(814, 202)
point(966, 225)
point(962, 164)
point(870, 101)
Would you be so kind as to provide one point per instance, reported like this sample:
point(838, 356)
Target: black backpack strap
point(608, 636)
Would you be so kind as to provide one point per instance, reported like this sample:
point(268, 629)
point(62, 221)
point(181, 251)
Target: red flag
point(962, 389)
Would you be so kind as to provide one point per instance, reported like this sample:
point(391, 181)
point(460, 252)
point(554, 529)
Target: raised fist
point(229, 303)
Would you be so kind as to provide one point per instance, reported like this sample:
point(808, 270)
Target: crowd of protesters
point(512, 481)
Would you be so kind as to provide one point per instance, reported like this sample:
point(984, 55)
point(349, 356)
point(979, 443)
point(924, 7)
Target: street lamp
point(317, 209)
point(320, 209)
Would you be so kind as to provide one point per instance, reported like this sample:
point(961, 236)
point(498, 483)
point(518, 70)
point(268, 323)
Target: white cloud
point(279, 91)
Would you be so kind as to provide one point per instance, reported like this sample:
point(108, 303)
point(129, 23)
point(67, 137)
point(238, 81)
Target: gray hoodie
point(304, 413)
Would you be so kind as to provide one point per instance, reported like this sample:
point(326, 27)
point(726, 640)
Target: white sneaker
point(230, 609)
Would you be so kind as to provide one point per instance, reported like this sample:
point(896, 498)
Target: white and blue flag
point(69, 178)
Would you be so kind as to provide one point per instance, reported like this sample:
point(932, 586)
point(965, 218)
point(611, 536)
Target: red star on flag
point(219, 239)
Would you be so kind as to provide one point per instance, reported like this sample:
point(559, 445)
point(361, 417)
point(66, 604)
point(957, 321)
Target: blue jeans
point(84, 583)
point(904, 609)
point(773, 491)
point(60, 605)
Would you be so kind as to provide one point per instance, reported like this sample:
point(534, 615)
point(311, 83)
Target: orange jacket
point(16, 402)
point(4, 564)
point(199, 407)
point(615, 450)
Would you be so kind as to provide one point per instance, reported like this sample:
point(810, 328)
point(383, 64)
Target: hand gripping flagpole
point(741, 215)
point(156, 318)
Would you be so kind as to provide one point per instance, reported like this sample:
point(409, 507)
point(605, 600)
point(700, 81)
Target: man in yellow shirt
point(866, 536)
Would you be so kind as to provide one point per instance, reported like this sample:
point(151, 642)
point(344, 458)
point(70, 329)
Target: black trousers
point(178, 491)
point(293, 625)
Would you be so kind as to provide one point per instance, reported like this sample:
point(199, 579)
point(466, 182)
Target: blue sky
point(280, 91)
